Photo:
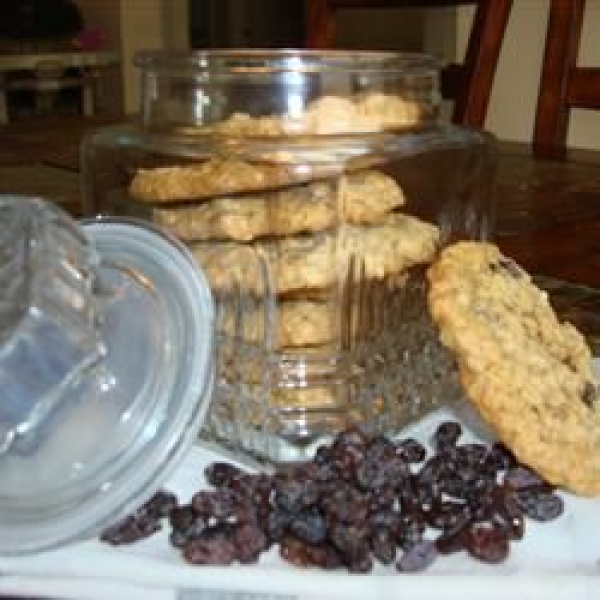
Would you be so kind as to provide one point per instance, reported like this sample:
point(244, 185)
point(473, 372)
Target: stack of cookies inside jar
point(316, 263)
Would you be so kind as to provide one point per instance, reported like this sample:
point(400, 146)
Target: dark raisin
point(301, 554)
point(260, 487)
point(295, 494)
point(183, 517)
point(428, 485)
point(252, 489)
point(446, 434)
point(467, 485)
point(590, 394)
point(130, 529)
point(444, 515)
point(195, 530)
point(504, 504)
point(350, 540)
point(250, 542)
point(411, 531)
point(473, 455)
point(178, 539)
point(433, 470)
point(144, 522)
point(361, 562)
point(277, 523)
point(383, 545)
point(521, 477)
point(346, 504)
point(220, 474)
point(296, 552)
point(512, 525)
point(501, 456)
point(323, 455)
point(219, 504)
point(411, 450)
point(381, 448)
point(374, 473)
point(370, 474)
point(418, 558)
point(486, 542)
point(218, 550)
point(539, 504)
point(314, 470)
point(309, 526)
point(347, 451)
point(383, 499)
point(160, 505)
point(453, 539)
point(386, 519)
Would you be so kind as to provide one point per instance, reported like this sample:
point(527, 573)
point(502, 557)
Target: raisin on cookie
point(529, 375)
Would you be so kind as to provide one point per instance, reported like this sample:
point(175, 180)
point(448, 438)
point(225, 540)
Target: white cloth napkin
point(559, 560)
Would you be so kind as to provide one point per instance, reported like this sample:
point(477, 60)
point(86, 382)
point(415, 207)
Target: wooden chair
point(46, 80)
point(563, 84)
point(468, 84)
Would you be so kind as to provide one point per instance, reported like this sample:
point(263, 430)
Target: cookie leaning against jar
point(360, 197)
point(529, 375)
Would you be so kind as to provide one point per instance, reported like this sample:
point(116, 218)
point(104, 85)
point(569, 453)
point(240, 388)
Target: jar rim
point(261, 61)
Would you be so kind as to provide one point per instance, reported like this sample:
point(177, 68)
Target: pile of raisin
point(360, 500)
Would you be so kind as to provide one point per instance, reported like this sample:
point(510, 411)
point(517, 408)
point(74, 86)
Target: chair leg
point(3, 104)
point(320, 24)
point(563, 35)
point(481, 60)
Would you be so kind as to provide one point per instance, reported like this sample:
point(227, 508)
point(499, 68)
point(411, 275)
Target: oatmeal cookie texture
point(361, 113)
point(389, 111)
point(529, 375)
point(223, 218)
point(365, 196)
point(298, 323)
point(313, 262)
point(361, 197)
point(203, 180)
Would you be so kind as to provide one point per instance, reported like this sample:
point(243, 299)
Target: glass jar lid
point(282, 93)
point(106, 371)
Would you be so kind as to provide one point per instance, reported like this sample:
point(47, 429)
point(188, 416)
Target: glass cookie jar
point(313, 188)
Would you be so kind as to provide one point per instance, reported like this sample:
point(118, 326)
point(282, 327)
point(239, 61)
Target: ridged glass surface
point(313, 189)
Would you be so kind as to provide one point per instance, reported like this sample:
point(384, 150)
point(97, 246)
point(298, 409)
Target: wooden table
point(549, 213)
point(549, 222)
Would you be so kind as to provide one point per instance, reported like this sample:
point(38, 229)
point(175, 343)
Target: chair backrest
point(469, 84)
point(563, 84)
